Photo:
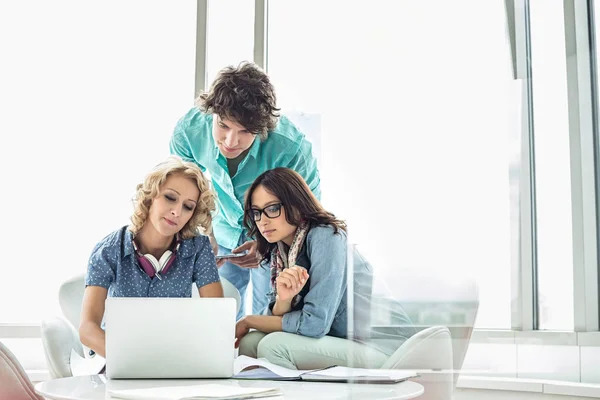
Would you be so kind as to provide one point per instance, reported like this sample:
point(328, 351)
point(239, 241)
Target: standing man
point(236, 133)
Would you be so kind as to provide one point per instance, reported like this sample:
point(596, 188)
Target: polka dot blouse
point(114, 266)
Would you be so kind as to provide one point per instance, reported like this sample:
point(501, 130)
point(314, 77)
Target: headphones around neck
point(153, 267)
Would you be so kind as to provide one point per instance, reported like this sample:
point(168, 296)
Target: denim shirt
point(285, 146)
point(323, 305)
point(113, 265)
point(322, 309)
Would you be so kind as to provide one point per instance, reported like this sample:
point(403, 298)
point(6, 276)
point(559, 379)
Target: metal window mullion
point(510, 25)
point(596, 136)
point(200, 74)
point(582, 112)
point(524, 269)
point(528, 220)
point(261, 33)
point(516, 30)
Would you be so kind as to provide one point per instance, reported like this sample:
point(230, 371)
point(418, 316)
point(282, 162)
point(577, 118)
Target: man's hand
point(241, 330)
point(250, 260)
point(290, 282)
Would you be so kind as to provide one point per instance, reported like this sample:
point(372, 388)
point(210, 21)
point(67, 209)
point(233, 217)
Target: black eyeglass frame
point(252, 212)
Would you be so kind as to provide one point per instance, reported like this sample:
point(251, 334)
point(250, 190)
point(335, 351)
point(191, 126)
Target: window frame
point(583, 133)
point(582, 81)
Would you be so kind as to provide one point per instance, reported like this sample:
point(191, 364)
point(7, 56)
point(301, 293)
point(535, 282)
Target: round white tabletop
point(94, 387)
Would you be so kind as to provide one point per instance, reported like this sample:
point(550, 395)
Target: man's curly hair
point(242, 94)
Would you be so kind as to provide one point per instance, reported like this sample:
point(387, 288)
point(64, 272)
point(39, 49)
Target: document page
point(345, 372)
point(243, 362)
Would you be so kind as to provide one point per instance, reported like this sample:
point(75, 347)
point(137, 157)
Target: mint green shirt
point(285, 146)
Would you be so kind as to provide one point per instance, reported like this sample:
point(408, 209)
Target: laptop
point(169, 337)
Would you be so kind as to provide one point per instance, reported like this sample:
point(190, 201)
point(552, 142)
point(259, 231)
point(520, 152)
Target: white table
point(93, 387)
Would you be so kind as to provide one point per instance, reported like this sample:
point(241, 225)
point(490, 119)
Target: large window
point(552, 168)
point(90, 94)
point(431, 121)
point(230, 34)
point(418, 124)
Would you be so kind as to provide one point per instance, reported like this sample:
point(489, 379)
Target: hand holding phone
point(244, 256)
point(231, 255)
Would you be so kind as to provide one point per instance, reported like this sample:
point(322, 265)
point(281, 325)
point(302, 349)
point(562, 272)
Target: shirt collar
point(255, 147)
point(127, 243)
point(212, 135)
point(184, 250)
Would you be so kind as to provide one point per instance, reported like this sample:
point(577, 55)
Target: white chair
point(429, 349)
point(60, 334)
point(441, 349)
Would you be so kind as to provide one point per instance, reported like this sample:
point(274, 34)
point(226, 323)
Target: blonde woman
point(160, 254)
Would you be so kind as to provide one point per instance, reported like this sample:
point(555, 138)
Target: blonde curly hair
point(146, 192)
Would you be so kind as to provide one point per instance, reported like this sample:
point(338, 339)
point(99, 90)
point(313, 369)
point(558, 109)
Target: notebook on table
point(252, 368)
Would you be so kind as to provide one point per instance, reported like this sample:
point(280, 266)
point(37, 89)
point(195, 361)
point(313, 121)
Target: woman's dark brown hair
point(299, 202)
point(243, 94)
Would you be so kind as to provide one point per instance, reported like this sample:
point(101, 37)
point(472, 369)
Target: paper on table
point(261, 373)
point(196, 392)
point(345, 372)
point(85, 366)
point(243, 362)
point(269, 371)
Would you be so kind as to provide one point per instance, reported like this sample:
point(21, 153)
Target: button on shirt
point(285, 146)
point(114, 266)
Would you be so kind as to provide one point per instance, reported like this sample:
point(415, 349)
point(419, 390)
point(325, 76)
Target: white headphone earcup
point(153, 261)
point(164, 259)
point(159, 264)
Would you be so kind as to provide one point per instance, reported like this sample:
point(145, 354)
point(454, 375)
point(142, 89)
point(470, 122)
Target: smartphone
point(231, 255)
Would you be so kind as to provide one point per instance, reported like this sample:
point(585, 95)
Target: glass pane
point(230, 36)
point(89, 105)
point(415, 136)
point(552, 168)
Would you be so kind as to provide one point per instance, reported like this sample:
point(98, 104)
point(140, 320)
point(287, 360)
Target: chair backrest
point(228, 291)
point(453, 304)
point(429, 349)
point(14, 382)
point(70, 297)
point(431, 299)
point(461, 337)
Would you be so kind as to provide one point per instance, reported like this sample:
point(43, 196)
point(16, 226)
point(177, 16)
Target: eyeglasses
point(271, 211)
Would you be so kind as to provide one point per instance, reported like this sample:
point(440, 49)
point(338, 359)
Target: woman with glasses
point(305, 324)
